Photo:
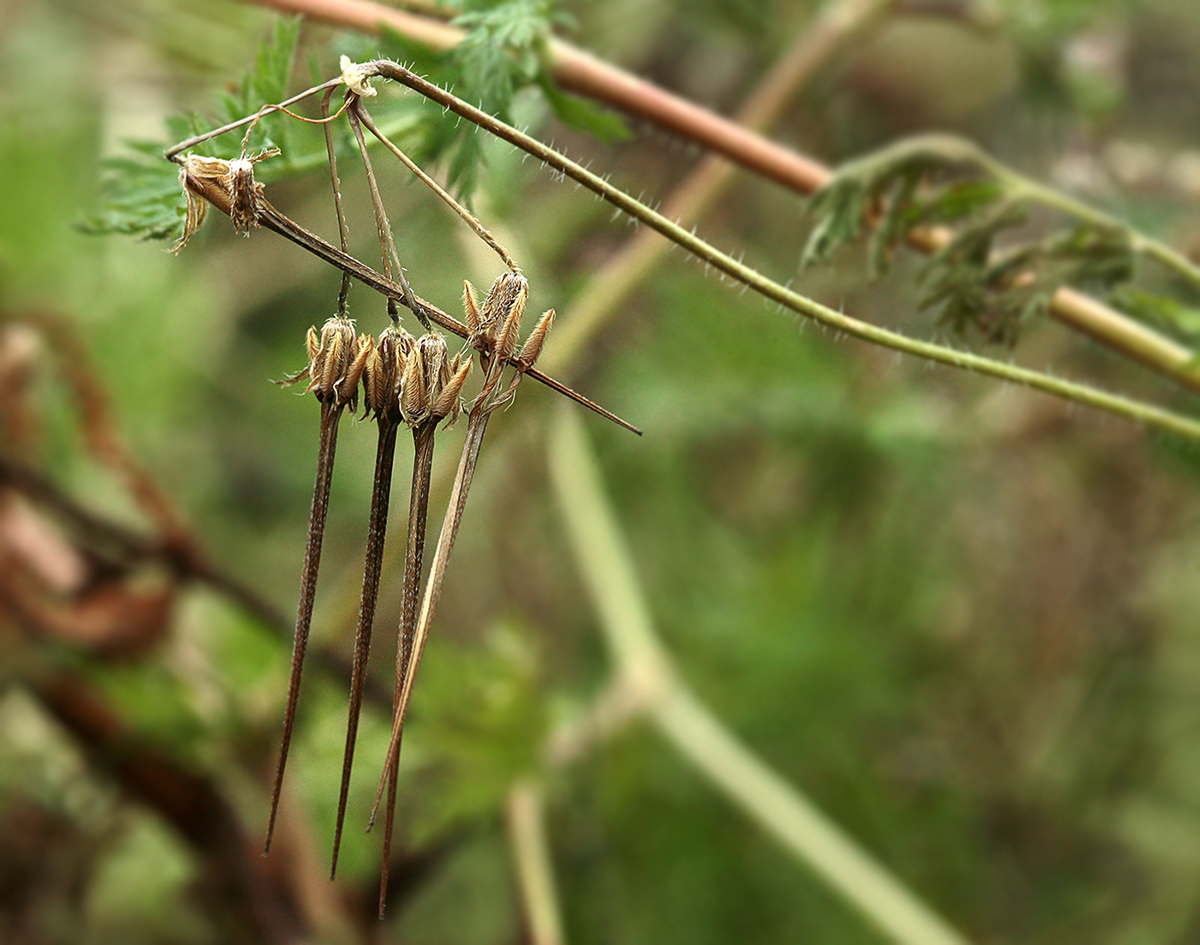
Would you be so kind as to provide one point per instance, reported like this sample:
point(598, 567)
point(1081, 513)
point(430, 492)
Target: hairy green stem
point(1079, 393)
point(951, 149)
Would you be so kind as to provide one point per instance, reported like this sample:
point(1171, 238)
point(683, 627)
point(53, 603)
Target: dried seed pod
point(434, 356)
point(384, 371)
point(244, 193)
point(336, 361)
point(500, 315)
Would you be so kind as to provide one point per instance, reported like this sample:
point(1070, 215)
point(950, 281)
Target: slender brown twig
point(336, 362)
point(418, 515)
point(327, 447)
point(373, 557)
point(391, 260)
point(343, 228)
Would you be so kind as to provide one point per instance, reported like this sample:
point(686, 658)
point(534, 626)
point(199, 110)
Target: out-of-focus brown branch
point(261, 907)
point(581, 72)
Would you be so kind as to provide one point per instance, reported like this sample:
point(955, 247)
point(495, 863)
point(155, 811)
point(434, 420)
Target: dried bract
point(356, 75)
point(533, 344)
point(236, 177)
point(448, 401)
point(384, 372)
point(336, 362)
point(471, 306)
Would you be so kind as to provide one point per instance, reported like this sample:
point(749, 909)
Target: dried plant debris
point(235, 177)
point(413, 382)
point(993, 272)
point(337, 360)
point(494, 326)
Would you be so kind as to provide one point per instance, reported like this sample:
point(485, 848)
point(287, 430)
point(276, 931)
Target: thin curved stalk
point(331, 413)
point(779, 807)
point(578, 71)
point(1089, 396)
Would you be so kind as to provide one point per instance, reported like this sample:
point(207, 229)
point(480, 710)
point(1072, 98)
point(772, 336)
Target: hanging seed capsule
point(501, 313)
point(385, 370)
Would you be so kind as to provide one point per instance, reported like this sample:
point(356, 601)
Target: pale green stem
point(1080, 393)
point(777, 806)
point(525, 813)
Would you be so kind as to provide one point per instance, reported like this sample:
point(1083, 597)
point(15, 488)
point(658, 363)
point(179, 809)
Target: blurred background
point(962, 618)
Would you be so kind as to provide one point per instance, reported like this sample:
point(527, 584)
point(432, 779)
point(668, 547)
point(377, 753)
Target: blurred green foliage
point(962, 618)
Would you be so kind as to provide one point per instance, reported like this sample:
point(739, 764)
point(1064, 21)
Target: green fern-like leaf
point(141, 192)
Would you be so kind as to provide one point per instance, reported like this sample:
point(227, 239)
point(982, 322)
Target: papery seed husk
point(447, 403)
point(471, 306)
point(206, 168)
point(414, 396)
point(537, 338)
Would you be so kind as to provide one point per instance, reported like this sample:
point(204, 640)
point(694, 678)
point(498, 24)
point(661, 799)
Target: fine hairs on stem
point(1136, 410)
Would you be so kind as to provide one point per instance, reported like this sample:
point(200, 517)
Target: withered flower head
point(499, 318)
point(336, 362)
point(244, 194)
point(384, 371)
point(432, 381)
point(234, 177)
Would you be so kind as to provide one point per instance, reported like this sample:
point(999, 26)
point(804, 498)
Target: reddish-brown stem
point(372, 565)
point(414, 561)
point(331, 413)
